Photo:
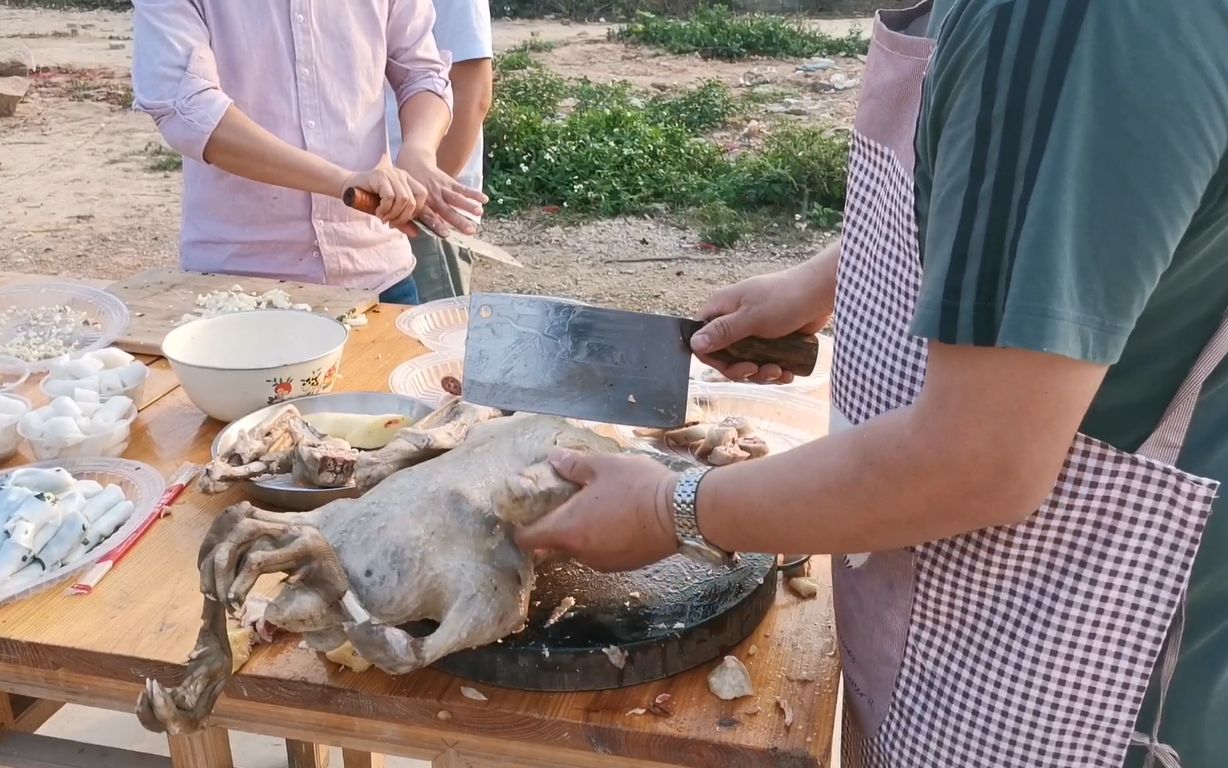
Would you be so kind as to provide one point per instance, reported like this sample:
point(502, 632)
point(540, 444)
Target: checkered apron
point(1025, 645)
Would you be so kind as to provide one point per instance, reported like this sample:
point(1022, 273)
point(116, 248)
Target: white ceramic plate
point(783, 419)
point(106, 317)
point(141, 484)
point(420, 377)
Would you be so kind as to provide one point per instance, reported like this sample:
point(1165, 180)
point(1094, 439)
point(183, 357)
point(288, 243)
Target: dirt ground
point(83, 194)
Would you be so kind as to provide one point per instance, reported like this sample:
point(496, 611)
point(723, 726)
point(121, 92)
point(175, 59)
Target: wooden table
point(141, 622)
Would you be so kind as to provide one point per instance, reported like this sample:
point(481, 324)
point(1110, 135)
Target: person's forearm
point(890, 482)
point(471, 95)
point(823, 266)
point(239, 146)
point(424, 121)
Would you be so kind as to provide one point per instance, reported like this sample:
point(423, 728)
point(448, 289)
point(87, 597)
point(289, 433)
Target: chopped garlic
point(237, 300)
point(41, 333)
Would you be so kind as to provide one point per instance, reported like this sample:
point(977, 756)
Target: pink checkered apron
point(1026, 645)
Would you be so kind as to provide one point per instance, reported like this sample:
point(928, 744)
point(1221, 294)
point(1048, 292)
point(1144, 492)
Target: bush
point(610, 149)
point(719, 33)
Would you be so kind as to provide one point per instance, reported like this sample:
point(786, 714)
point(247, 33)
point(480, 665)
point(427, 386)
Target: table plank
point(142, 621)
point(21, 750)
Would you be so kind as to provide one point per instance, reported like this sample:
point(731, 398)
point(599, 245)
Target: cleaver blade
point(541, 355)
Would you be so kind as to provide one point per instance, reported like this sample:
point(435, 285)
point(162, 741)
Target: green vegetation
point(159, 159)
point(520, 57)
point(719, 33)
point(608, 149)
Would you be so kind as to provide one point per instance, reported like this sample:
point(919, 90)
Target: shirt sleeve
point(1059, 166)
point(462, 29)
point(415, 63)
point(174, 74)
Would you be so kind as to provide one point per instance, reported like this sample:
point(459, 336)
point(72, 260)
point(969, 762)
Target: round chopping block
point(666, 619)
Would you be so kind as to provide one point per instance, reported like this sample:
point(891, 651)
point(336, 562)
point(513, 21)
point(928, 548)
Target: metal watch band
point(686, 527)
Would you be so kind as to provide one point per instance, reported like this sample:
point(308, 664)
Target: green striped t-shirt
point(1072, 198)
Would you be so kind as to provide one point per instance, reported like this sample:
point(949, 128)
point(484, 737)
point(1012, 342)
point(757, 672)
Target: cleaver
point(527, 353)
point(362, 200)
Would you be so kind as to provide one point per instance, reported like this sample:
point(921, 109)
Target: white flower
point(524, 168)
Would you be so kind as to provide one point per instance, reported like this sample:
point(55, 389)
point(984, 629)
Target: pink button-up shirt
point(312, 73)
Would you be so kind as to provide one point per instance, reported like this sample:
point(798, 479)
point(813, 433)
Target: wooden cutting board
point(159, 298)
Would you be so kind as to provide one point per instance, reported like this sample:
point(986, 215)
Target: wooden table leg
point(24, 714)
point(354, 759)
point(302, 754)
point(209, 748)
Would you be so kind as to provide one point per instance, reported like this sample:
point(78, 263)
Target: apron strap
point(1156, 749)
point(1165, 442)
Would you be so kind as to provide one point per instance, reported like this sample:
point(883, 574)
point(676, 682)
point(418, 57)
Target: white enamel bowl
point(232, 364)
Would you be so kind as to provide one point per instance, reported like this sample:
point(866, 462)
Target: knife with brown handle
point(368, 202)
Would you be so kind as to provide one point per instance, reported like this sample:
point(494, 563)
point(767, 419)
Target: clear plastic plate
point(421, 377)
point(783, 419)
point(105, 316)
point(141, 484)
point(443, 325)
point(440, 325)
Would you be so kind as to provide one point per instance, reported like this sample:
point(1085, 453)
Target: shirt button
point(316, 254)
point(311, 123)
point(320, 222)
point(306, 71)
point(300, 18)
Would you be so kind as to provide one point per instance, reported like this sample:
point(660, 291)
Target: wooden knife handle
point(368, 202)
point(797, 353)
point(361, 200)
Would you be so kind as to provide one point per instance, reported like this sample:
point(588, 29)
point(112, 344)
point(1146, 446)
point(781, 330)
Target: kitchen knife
point(367, 202)
point(527, 353)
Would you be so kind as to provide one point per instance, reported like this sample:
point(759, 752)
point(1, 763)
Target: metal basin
point(283, 491)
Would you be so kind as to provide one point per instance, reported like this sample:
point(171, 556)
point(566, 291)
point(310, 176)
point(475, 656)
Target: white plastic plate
point(440, 325)
point(421, 376)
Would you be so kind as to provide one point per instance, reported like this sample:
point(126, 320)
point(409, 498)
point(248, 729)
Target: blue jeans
point(404, 292)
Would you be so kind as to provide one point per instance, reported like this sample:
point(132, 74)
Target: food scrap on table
point(473, 693)
point(560, 610)
point(730, 680)
point(346, 655)
point(787, 709)
point(617, 656)
point(662, 705)
point(804, 586)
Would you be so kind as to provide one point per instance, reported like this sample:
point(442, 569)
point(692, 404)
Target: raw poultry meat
point(728, 441)
point(431, 541)
point(286, 442)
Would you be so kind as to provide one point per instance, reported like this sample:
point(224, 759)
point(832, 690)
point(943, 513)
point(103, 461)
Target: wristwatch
point(690, 541)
